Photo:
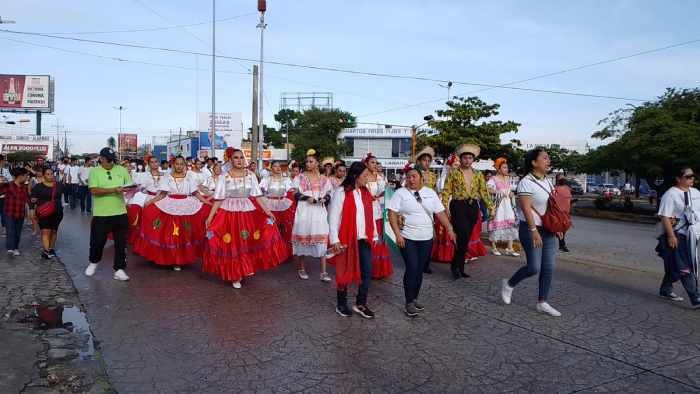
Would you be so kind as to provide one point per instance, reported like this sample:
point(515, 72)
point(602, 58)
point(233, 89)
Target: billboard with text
point(127, 144)
point(25, 93)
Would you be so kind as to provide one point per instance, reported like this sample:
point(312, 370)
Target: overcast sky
point(491, 42)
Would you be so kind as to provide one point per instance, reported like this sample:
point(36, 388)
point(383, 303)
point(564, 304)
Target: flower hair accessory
point(368, 157)
point(311, 152)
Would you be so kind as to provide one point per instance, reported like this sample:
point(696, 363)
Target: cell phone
point(129, 186)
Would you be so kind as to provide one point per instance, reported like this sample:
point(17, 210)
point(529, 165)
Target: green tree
point(111, 142)
point(652, 140)
point(317, 129)
point(22, 156)
point(466, 120)
point(273, 137)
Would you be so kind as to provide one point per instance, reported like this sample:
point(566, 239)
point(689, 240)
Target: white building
point(27, 143)
point(391, 146)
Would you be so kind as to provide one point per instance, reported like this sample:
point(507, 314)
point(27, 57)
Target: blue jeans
point(416, 255)
point(85, 198)
point(678, 266)
point(14, 231)
point(539, 260)
point(365, 252)
point(2, 212)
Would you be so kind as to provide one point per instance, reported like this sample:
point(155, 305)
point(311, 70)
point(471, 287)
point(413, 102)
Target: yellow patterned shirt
point(456, 189)
point(430, 179)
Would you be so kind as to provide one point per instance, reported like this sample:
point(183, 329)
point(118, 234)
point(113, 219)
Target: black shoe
point(411, 310)
point(427, 271)
point(564, 249)
point(695, 304)
point(671, 297)
point(464, 275)
point(52, 253)
point(363, 311)
point(343, 311)
point(45, 255)
point(418, 306)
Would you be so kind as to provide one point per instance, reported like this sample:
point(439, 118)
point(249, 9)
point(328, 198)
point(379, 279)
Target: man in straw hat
point(424, 158)
point(465, 188)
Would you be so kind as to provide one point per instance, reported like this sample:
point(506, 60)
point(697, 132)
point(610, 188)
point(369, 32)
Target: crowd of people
point(239, 221)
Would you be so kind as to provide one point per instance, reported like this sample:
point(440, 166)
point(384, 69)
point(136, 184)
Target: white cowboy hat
point(468, 148)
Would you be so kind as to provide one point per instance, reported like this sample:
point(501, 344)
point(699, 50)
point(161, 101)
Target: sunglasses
point(418, 197)
point(689, 176)
point(109, 175)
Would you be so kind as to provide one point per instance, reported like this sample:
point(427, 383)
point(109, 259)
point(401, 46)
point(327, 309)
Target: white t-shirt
point(74, 171)
point(673, 204)
point(62, 171)
point(84, 174)
point(418, 226)
point(538, 190)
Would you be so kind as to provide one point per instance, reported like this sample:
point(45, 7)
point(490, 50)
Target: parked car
point(576, 188)
point(609, 188)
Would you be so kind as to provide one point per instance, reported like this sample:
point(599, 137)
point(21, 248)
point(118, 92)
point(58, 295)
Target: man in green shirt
point(107, 183)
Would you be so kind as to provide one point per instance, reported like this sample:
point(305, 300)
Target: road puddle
point(70, 318)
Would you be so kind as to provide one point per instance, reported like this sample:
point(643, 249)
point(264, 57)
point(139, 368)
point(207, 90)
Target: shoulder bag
point(48, 208)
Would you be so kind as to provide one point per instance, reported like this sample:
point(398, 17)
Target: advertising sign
point(128, 144)
point(227, 124)
point(22, 93)
point(10, 148)
point(205, 141)
point(266, 154)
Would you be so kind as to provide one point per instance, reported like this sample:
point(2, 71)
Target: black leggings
point(463, 214)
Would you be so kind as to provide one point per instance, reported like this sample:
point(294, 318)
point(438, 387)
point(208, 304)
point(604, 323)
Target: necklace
point(179, 183)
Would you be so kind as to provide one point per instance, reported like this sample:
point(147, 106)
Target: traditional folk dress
point(502, 227)
point(310, 229)
point(172, 229)
point(241, 239)
point(381, 257)
point(147, 189)
point(280, 200)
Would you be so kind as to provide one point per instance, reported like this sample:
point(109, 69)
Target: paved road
point(187, 332)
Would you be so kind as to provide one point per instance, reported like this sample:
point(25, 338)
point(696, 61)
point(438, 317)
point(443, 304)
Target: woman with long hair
point(147, 183)
point(381, 257)
point(293, 169)
point(172, 227)
point(48, 190)
point(310, 230)
point(539, 244)
point(279, 195)
point(242, 237)
point(502, 226)
point(352, 233)
point(339, 173)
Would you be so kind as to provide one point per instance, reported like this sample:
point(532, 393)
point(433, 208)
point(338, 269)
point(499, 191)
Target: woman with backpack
point(538, 242)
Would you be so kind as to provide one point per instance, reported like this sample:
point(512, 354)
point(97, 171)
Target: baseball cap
point(108, 153)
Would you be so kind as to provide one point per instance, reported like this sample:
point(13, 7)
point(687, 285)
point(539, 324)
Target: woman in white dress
point(172, 230)
point(503, 225)
point(146, 189)
point(310, 230)
point(242, 237)
point(279, 194)
point(209, 186)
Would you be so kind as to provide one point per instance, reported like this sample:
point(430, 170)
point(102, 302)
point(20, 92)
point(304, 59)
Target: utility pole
point(179, 141)
point(57, 146)
point(38, 122)
point(262, 7)
point(212, 136)
point(254, 129)
point(65, 141)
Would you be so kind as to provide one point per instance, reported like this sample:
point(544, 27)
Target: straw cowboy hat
point(327, 160)
point(426, 151)
point(468, 148)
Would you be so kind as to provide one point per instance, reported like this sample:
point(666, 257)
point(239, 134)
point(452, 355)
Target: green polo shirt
point(109, 204)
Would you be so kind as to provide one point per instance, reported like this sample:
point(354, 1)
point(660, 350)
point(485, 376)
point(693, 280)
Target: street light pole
point(212, 137)
point(262, 7)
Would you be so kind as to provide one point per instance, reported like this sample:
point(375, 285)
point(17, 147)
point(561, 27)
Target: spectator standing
point(83, 189)
point(45, 192)
point(15, 207)
point(73, 182)
point(5, 177)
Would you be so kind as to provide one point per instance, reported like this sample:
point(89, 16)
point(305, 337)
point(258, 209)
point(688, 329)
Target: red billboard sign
point(25, 93)
point(128, 144)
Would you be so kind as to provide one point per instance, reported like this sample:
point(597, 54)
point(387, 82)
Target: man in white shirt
point(63, 168)
point(83, 189)
point(73, 182)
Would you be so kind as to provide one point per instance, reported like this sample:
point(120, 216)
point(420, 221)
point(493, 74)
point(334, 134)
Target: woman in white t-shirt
point(538, 244)
point(680, 207)
point(417, 204)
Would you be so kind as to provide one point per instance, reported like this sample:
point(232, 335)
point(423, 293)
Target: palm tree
point(111, 142)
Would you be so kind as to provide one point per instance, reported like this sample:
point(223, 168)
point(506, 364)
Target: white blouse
point(376, 188)
point(235, 192)
point(180, 186)
point(148, 182)
point(276, 187)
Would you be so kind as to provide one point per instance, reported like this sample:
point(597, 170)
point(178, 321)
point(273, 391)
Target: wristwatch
point(533, 229)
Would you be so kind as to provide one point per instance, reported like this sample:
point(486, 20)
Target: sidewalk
point(47, 345)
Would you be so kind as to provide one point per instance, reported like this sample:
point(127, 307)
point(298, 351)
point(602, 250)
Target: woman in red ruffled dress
point(147, 188)
point(242, 237)
point(381, 257)
point(279, 195)
point(172, 226)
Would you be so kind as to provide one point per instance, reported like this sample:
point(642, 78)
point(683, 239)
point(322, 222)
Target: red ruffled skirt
point(133, 211)
point(170, 239)
point(242, 243)
point(285, 222)
point(381, 256)
point(444, 249)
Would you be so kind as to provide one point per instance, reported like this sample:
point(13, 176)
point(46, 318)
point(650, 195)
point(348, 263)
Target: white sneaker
point(177, 268)
point(544, 307)
point(512, 253)
point(496, 252)
point(16, 253)
point(506, 292)
point(237, 284)
point(10, 251)
point(90, 270)
point(121, 275)
point(325, 277)
point(303, 275)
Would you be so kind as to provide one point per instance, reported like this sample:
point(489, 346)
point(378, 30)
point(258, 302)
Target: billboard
point(26, 93)
point(11, 148)
point(228, 125)
point(127, 144)
point(205, 142)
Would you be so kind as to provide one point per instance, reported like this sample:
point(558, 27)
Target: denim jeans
point(365, 252)
point(673, 269)
point(14, 231)
point(74, 196)
point(416, 256)
point(85, 198)
point(2, 212)
point(539, 260)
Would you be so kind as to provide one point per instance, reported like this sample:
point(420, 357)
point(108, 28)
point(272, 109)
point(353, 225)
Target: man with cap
point(107, 183)
point(465, 188)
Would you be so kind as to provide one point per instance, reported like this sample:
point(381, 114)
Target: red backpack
point(557, 217)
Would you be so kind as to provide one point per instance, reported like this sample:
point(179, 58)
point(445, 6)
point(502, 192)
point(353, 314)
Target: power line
point(118, 59)
point(324, 68)
point(196, 37)
point(564, 71)
point(148, 29)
